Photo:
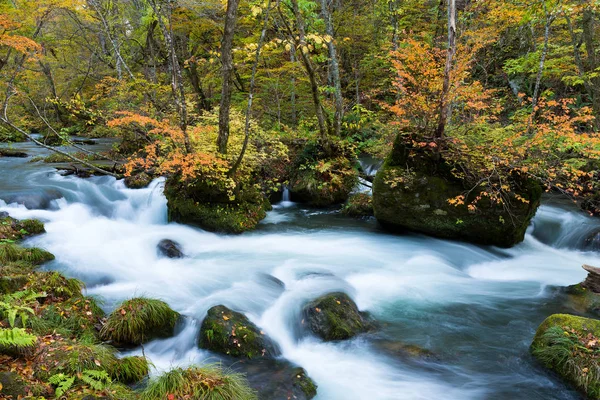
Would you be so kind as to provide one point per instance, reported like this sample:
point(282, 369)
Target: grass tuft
point(10, 252)
point(138, 320)
point(131, 370)
point(202, 383)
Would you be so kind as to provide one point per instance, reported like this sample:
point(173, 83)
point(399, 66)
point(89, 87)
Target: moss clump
point(202, 383)
point(229, 332)
point(138, 181)
point(570, 346)
point(335, 317)
point(12, 386)
point(55, 285)
point(213, 210)
point(323, 174)
point(139, 320)
point(359, 205)
point(10, 252)
point(12, 229)
point(413, 193)
point(131, 370)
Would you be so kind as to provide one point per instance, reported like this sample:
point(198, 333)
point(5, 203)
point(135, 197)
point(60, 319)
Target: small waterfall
point(286, 195)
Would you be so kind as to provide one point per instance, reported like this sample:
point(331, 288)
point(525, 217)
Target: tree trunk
point(314, 86)
point(227, 70)
point(335, 69)
point(592, 62)
point(261, 40)
point(176, 76)
point(444, 98)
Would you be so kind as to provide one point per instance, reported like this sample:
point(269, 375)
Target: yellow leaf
point(225, 318)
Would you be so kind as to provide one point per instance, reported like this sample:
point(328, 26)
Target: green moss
point(583, 300)
point(569, 346)
point(215, 212)
point(229, 332)
point(202, 383)
point(359, 205)
point(335, 317)
point(323, 174)
point(55, 285)
point(12, 386)
point(76, 317)
point(302, 381)
point(10, 252)
point(139, 320)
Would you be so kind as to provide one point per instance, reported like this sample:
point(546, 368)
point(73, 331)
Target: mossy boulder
point(412, 192)
point(323, 174)
point(303, 385)
point(206, 382)
point(139, 320)
point(212, 209)
point(229, 332)
point(130, 370)
point(335, 317)
point(12, 386)
point(138, 181)
point(359, 205)
point(12, 229)
point(570, 347)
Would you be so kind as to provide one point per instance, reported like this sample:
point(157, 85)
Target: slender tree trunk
point(444, 98)
point(592, 63)
point(312, 76)
point(47, 71)
point(538, 79)
point(335, 69)
point(227, 70)
point(261, 40)
point(293, 94)
point(175, 71)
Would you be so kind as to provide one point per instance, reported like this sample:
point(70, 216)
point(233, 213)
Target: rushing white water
point(475, 307)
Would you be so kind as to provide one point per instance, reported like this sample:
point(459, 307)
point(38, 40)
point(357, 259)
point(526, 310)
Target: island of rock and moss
point(569, 346)
point(412, 190)
point(335, 316)
point(229, 332)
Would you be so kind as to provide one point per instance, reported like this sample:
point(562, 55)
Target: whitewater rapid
point(476, 308)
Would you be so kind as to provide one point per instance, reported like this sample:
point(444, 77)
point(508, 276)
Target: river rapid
point(474, 308)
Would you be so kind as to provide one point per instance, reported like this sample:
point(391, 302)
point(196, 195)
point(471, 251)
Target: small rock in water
point(12, 153)
point(169, 248)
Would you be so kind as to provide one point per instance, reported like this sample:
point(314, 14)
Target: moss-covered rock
point(416, 199)
point(138, 181)
point(570, 346)
point(303, 384)
point(12, 229)
point(323, 174)
point(12, 386)
point(359, 205)
point(206, 382)
point(335, 317)
point(77, 317)
point(10, 253)
point(130, 370)
point(6, 152)
point(139, 320)
point(212, 209)
point(229, 332)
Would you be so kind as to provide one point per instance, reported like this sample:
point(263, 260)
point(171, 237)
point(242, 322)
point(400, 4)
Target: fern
point(62, 383)
point(17, 306)
point(16, 337)
point(97, 380)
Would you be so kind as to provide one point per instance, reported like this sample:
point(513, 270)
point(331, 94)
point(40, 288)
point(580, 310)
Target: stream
point(474, 308)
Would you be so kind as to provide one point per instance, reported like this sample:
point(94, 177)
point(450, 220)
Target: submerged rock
point(569, 346)
point(592, 242)
point(170, 249)
point(138, 321)
point(277, 379)
point(35, 199)
point(335, 317)
point(4, 152)
point(412, 189)
point(229, 332)
point(585, 297)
